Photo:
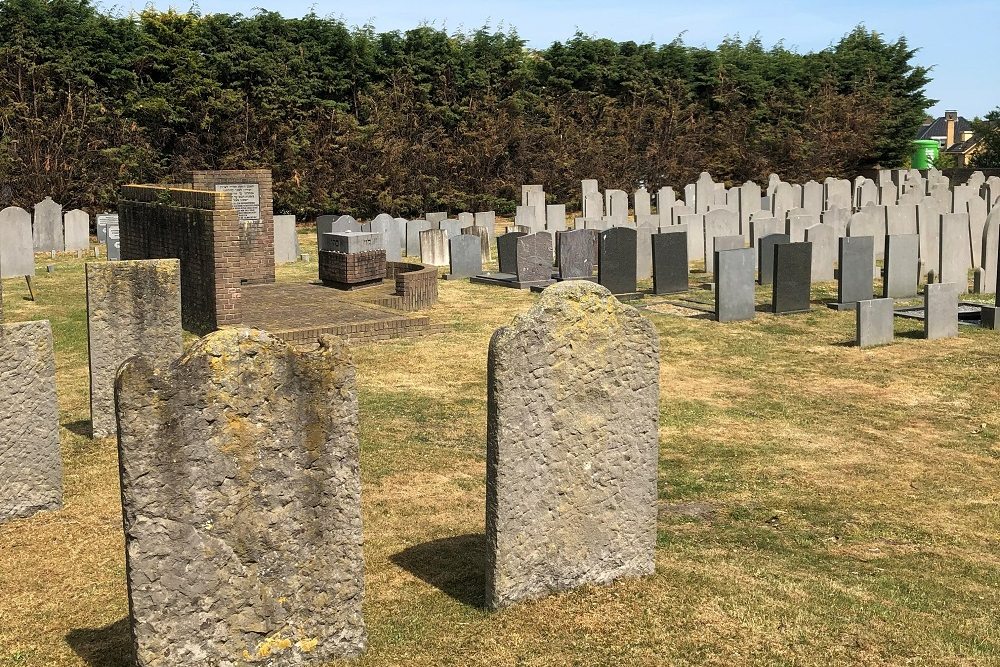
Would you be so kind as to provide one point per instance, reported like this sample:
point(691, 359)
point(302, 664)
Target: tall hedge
point(359, 122)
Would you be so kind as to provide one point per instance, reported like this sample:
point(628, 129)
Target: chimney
point(949, 118)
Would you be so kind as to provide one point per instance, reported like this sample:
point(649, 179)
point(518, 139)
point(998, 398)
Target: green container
point(925, 153)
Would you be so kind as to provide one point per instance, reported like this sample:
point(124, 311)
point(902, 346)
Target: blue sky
point(961, 39)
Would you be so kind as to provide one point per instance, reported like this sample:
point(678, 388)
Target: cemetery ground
point(819, 503)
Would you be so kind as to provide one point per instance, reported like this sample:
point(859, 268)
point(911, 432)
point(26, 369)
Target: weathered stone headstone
point(734, 290)
point(901, 219)
point(467, 218)
point(792, 277)
point(670, 262)
point(874, 324)
point(665, 200)
point(17, 254)
point(644, 249)
point(465, 256)
point(436, 217)
point(533, 262)
point(812, 197)
point(855, 272)
point(76, 230)
point(695, 224)
point(749, 203)
point(783, 200)
point(677, 211)
point(991, 250)
point(866, 222)
point(976, 208)
point(704, 193)
point(575, 251)
point(286, 240)
point(824, 244)
point(616, 260)
point(47, 223)
point(643, 205)
point(593, 206)
point(507, 251)
point(451, 228)
point(955, 259)
point(941, 310)
point(590, 187)
point(482, 234)
point(765, 256)
point(617, 205)
point(838, 218)
point(30, 463)
point(241, 496)
point(555, 218)
point(796, 226)
point(719, 222)
point(488, 219)
point(901, 272)
point(838, 193)
point(133, 308)
point(591, 454)
point(413, 230)
point(434, 247)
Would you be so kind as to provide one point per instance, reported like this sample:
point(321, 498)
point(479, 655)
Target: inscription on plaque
point(246, 199)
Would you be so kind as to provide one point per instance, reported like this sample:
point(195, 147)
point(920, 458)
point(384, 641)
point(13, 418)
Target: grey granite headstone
point(533, 262)
point(17, 253)
point(644, 250)
point(670, 262)
point(696, 235)
point(765, 256)
point(901, 272)
point(704, 193)
point(47, 223)
point(114, 244)
point(855, 273)
point(555, 218)
point(30, 463)
point(434, 247)
point(941, 310)
point(723, 243)
point(413, 229)
point(467, 218)
point(465, 256)
point(589, 456)
point(734, 287)
point(719, 222)
point(576, 254)
point(103, 220)
point(451, 228)
point(507, 251)
point(991, 251)
point(286, 239)
point(617, 206)
point(874, 324)
point(488, 219)
point(133, 308)
point(823, 240)
point(241, 496)
point(616, 260)
point(593, 206)
point(482, 234)
point(436, 217)
point(76, 228)
point(792, 277)
point(955, 254)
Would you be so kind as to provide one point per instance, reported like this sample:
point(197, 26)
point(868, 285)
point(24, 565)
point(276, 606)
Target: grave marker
point(734, 291)
point(670, 262)
point(874, 324)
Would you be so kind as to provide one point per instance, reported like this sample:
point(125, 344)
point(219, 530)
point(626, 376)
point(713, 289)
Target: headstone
point(590, 187)
point(690, 193)
point(796, 226)
point(103, 220)
point(867, 222)
point(286, 239)
point(812, 197)
point(507, 251)
point(480, 233)
point(592, 454)
point(955, 260)
point(413, 230)
point(704, 193)
point(676, 212)
point(901, 219)
point(47, 223)
point(434, 248)
point(901, 272)
point(643, 206)
point(467, 219)
point(991, 250)
point(241, 497)
point(867, 193)
point(838, 193)
point(76, 228)
point(724, 243)
point(644, 250)
point(451, 228)
point(665, 200)
point(133, 308)
point(114, 243)
point(734, 290)
point(465, 256)
point(765, 256)
point(976, 208)
point(534, 258)
point(391, 231)
point(575, 250)
point(555, 218)
point(695, 225)
point(30, 462)
point(617, 203)
point(941, 310)
point(838, 218)
point(17, 254)
point(527, 216)
point(929, 228)
point(488, 219)
point(783, 200)
point(855, 273)
point(616, 260)
point(749, 203)
point(719, 222)
point(792, 277)
point(436, 217)
point(874, 324)
point(824, 254)
point(670, 262)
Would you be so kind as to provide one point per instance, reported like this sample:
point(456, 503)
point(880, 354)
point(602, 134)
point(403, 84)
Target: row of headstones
point(240, 471)
point(20, 239)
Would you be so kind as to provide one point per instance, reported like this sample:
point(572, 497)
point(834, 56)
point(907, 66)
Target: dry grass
point(822, 504)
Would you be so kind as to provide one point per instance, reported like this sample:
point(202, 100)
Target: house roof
point(939, 128)
point(963, 147)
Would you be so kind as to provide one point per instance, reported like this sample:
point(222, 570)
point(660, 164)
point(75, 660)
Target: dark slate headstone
point(734, 290)
point(616, 266)
point(792, 277)
point(534, 257)
point(670, 263)
point(575, 251)
point(507, 251)
point(114, 243)
point(765, 256)
point(855, 275)
point(465, 256)
point(902, 265)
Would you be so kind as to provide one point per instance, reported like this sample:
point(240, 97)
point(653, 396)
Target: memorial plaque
point(765, 256)
point(670, 263)
point(792, 277)
point(246, 198)
point(616, 260)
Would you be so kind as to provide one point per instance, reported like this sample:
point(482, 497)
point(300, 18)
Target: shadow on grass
point(81, 427)
point(454, 565)
point(103, 647)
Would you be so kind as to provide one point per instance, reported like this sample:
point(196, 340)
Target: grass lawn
point(819, 504)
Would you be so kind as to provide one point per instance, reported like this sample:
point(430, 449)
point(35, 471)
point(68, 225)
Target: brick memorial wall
point(201, 229)
point(252, 197)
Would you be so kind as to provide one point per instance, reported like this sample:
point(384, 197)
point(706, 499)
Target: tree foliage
point(988, 131)
point(356, 121)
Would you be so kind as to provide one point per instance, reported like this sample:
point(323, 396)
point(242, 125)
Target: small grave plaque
point(246, 198)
